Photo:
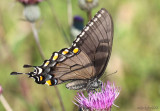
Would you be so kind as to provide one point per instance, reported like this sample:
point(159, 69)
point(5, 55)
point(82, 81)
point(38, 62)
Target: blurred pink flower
point(29, 2)
point(1, 90)
point(99, 100)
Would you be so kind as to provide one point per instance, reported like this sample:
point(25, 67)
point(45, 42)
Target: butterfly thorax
point(93, 84)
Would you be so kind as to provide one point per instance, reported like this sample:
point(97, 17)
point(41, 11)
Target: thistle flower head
point(29, 2)
point(99, 100)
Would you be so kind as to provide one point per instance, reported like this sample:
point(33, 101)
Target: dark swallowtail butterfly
point(84, 62)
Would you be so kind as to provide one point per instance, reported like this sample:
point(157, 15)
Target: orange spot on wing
point(41, 78)
point(49, 82)
point(64, 52)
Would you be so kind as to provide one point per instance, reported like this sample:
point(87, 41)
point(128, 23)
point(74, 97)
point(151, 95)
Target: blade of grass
point(36, 37)
point(59, 26)
point(69, 9)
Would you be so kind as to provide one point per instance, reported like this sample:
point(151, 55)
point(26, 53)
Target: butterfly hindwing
point(74, 68)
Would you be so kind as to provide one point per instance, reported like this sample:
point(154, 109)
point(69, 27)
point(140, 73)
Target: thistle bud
point(29, 2)
point(87, 5)
point(31, 12)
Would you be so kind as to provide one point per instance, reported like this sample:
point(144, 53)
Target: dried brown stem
point(5, 103)
point(36, 37)
point(89, 15)
point(69, 11)
point(59, 96)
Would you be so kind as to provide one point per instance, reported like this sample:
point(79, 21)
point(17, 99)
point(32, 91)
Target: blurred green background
point(135, 53)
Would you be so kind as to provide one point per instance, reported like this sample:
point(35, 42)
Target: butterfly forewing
point(97, 39)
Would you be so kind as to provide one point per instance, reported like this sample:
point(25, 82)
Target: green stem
point(59, 25)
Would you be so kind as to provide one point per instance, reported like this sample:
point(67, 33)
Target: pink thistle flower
point(29, 2)
point(99, 100)
point(1, 90)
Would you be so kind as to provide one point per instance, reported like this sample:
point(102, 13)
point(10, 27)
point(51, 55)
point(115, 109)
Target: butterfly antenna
point(109, 74)
point(112, 73)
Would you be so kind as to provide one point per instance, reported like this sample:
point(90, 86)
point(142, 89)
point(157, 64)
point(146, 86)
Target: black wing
point(86, 59)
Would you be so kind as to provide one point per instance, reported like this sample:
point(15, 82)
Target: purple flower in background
point(29, 2)
point(99, 100)
point(77, 26)
point(1, 90)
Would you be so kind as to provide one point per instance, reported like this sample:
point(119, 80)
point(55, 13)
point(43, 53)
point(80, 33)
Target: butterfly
point(84, 62)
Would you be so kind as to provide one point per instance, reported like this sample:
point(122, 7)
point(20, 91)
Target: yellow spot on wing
point(49, 82)
point(55, 56)
point(46, 64)
point(75, 50)
point(41, 78)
